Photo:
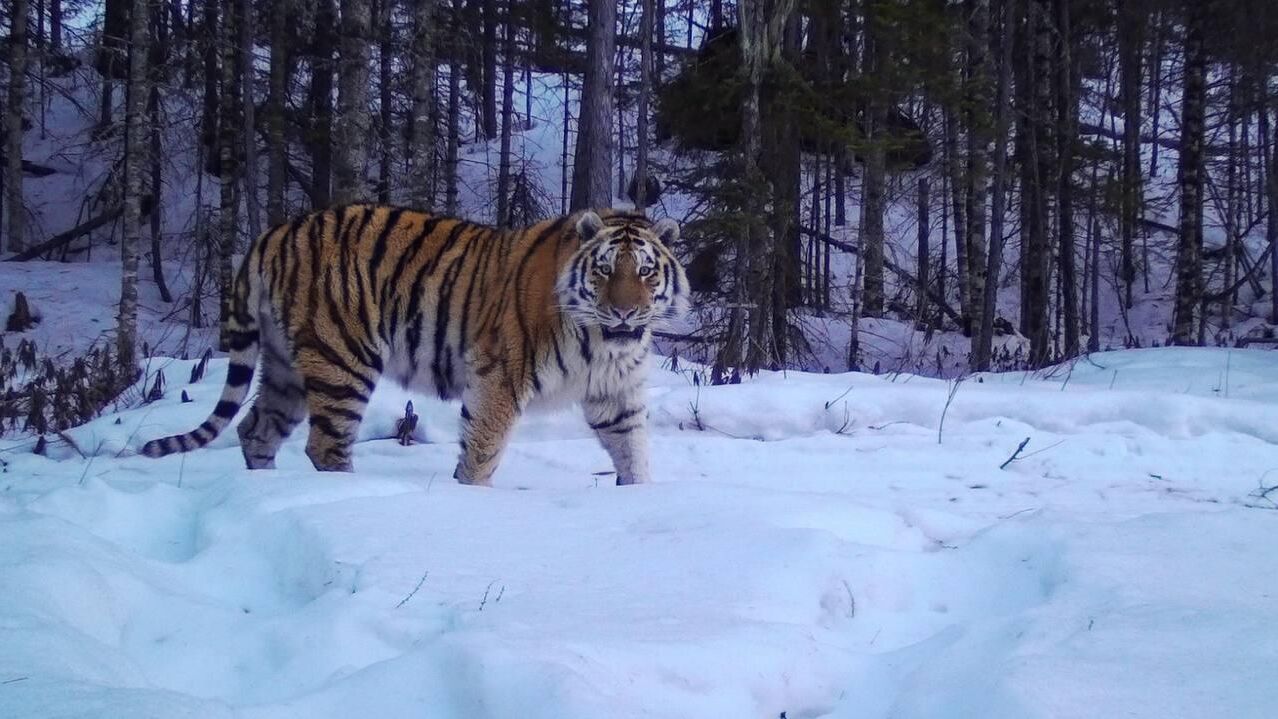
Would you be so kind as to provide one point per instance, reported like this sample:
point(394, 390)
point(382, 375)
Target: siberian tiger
point(562, 310)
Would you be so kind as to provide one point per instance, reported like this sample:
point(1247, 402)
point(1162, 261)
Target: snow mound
point(810, 547)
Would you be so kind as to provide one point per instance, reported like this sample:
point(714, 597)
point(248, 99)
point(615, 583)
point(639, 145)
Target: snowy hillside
point(815, 545)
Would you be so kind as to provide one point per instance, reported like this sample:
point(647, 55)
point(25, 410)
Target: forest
point(886, 185)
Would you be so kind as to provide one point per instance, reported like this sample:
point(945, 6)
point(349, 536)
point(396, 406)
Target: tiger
point(559, 312)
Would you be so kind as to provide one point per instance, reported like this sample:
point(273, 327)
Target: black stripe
point(465, 413)
point(337, 361)
point(344, 413)
point(283, 390)
point(441, 365)
point(325, 425)
point(204, 433)
point(226, 409)
point(334, 390)
point(239, 375)
point(410, 252)
point(415, 294)
point(379, 245)
point(240, 340)
point(621, 417)
point(478, 276)
point(366, 355)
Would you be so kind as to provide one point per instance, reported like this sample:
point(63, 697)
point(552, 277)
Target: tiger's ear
point(588, 225)
point(667, 230)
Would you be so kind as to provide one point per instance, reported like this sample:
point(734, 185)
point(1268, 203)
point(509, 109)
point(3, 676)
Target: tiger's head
point(623, 278)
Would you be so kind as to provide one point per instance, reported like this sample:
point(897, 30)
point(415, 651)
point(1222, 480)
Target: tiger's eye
point(645, 271)
point(604, 270)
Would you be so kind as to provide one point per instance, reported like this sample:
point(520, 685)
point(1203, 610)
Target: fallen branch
point(907, 278)
point(1016, 454)
point(57, 241)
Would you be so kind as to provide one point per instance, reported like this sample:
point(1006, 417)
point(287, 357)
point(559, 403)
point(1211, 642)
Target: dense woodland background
point(918, 185)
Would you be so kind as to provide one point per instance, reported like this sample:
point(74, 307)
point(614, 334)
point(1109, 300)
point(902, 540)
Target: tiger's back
point(338, 298)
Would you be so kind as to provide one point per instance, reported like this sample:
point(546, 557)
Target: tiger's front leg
point(620, 422)
point(489, 411)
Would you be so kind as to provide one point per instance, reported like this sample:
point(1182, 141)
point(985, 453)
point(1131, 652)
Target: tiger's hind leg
point(279, 407)
point(489, 411)
point(336, 397)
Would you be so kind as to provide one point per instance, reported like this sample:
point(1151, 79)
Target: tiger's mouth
point(622, 333)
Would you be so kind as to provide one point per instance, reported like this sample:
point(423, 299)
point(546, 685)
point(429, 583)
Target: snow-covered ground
point(820, 545)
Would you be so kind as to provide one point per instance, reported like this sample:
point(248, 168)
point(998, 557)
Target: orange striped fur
point(334, 300)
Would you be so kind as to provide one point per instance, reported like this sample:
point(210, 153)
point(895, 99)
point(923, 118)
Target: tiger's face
point(623, 278)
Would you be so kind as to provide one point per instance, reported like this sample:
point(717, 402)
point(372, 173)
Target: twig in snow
point(847, 419)
point(1068, 375)
point(1229, 355)
point(885, 425)
point(1262, 494)
point(1015, 454)
point(1113, 379)
point(1040, 451)
point(71, 442)
point(89, 464)
point(1021, 511)
point(15, 680)
point(484, 601)
point(420, 582)
point(129, 440)
point(695, 406)
point(836, 399)
point(954, 388)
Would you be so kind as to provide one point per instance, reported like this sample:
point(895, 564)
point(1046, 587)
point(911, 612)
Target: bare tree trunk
point(156, 184)
point(454, 122)
point(134, 175)
point(659, 68)
point(1130, 43)
point(1269, 146)
point(507, 117)
point(924, 230)
point(1066, 132)
point(1189, 290)
point(489, 51)
point(983, 348)
point(351, 126)
point(1155, 101)
point(277, 168)
point(1036, 248)
point(321, 136)
point(1232, 220)
point(247, 75)
point(385, 117)
point(210, 110)
point(55, 25)
point(229, 165)
point(421, 154)
point(16, 225)
point(645, 89)
point(978, 140)
point(954, 178)
point(875, 167)
point(592, 162)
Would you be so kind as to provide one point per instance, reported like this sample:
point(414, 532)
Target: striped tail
point(244, 336)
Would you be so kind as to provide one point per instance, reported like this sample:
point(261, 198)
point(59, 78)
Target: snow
point(812, 549)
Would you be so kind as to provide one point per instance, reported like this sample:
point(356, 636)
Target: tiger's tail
point(244, 335)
